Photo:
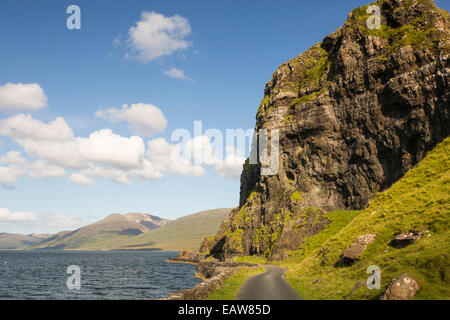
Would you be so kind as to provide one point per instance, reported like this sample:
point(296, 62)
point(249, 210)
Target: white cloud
point(21, 97)
point(13, 157)
point(177, 74)
point(156, 35)
point(144, 119)
point(11, 173)
point(108, 148)
point(55, 142)
point(19, 166)
point(201, 150)
point(78, 178)
point(52, 220)
point(51, 149)
point(23, 126)
point(41, 169)
point(231, 166)
point(9, 216)
point(169, 158)
point(148, 171)
point(97, 172)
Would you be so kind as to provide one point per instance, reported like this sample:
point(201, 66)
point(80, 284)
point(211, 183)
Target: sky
point(87, 115)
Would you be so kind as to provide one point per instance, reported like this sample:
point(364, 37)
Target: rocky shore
point(212, 271)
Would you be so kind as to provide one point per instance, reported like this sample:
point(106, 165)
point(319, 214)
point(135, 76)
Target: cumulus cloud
point(24, 126)
point(169, 158)
point(17, 166)
point(11, 174)
point(176, 74)
point(202, 151)
point(41, 169)
point(10, 216)
point(22, 97)
point(51, 148)
point(55, 142)
point(231, 166)
point(78, 178)
point(144, 119)
point(52, 220)
point(156, 35)
point(13, 157)
point(108, 148)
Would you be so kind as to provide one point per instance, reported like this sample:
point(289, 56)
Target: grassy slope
point(14, 241)
point(419, 201)
point(185, 233)
point(182, 234)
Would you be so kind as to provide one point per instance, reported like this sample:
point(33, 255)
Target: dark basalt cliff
point(355, 113)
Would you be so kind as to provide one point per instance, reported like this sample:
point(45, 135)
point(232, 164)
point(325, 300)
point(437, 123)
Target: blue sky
point(231, 51)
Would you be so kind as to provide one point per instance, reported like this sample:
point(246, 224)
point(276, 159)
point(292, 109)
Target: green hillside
point(14, 240)
point(185, 233)
point(419, 201)
point(104, 233)
point(133, 231)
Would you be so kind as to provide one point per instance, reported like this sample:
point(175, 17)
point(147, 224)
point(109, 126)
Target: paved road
point(269, 285)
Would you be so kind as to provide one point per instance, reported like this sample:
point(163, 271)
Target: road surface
point(269, 285)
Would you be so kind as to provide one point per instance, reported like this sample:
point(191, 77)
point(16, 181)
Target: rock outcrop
point(354, 113)
point(403, 240)
point(403, 287)
point(356, 249)
point(187, 257)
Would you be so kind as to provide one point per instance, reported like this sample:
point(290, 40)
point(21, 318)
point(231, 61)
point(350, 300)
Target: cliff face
point(355, 113)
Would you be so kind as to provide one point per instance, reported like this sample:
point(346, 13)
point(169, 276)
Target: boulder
point(403, 240)
point(352, 253)
point(403, 287)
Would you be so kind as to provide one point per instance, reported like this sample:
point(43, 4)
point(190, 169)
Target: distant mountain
point(185, 233)
point(138, 231)
point(14, 240)
point(104, 233)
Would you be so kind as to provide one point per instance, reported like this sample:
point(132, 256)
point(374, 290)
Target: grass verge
point(231, 286)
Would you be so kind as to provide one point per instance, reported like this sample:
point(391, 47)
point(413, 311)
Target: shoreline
point(212, 271)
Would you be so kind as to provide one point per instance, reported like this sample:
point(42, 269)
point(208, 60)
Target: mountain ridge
point(130, 231)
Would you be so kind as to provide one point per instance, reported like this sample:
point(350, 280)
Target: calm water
point(104, 274)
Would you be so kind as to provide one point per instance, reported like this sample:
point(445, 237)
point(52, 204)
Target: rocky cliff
point(355, 113)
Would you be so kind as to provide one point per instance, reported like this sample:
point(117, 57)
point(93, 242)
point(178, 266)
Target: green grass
point(231, 286)
point(419, 201)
